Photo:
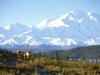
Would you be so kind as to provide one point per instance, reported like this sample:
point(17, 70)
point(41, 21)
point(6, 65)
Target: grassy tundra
point(41, 64)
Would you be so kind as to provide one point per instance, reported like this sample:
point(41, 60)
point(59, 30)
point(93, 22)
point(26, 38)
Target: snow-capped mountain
point(71, 29)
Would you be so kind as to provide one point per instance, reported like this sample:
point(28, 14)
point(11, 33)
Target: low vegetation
point(41, 64)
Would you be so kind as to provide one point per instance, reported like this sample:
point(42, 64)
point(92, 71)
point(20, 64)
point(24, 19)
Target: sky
point(32, 12)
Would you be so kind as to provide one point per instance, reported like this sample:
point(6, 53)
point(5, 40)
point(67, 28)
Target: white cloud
point(1, 35)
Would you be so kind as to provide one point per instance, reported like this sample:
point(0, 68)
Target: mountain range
point(72, 29)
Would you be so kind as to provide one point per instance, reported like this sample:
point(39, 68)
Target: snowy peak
point(7, 27)
point(63, 20)
point(1, 35)
point(90, 42)
point(9, 42)
point(59, 41)
point(57, 23)
point(71, 28)
point(91, 16)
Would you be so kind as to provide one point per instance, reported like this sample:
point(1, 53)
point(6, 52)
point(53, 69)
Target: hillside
point(89, 51)
point(79, 52)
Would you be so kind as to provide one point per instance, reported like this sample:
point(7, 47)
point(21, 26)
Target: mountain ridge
point(72, 28)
